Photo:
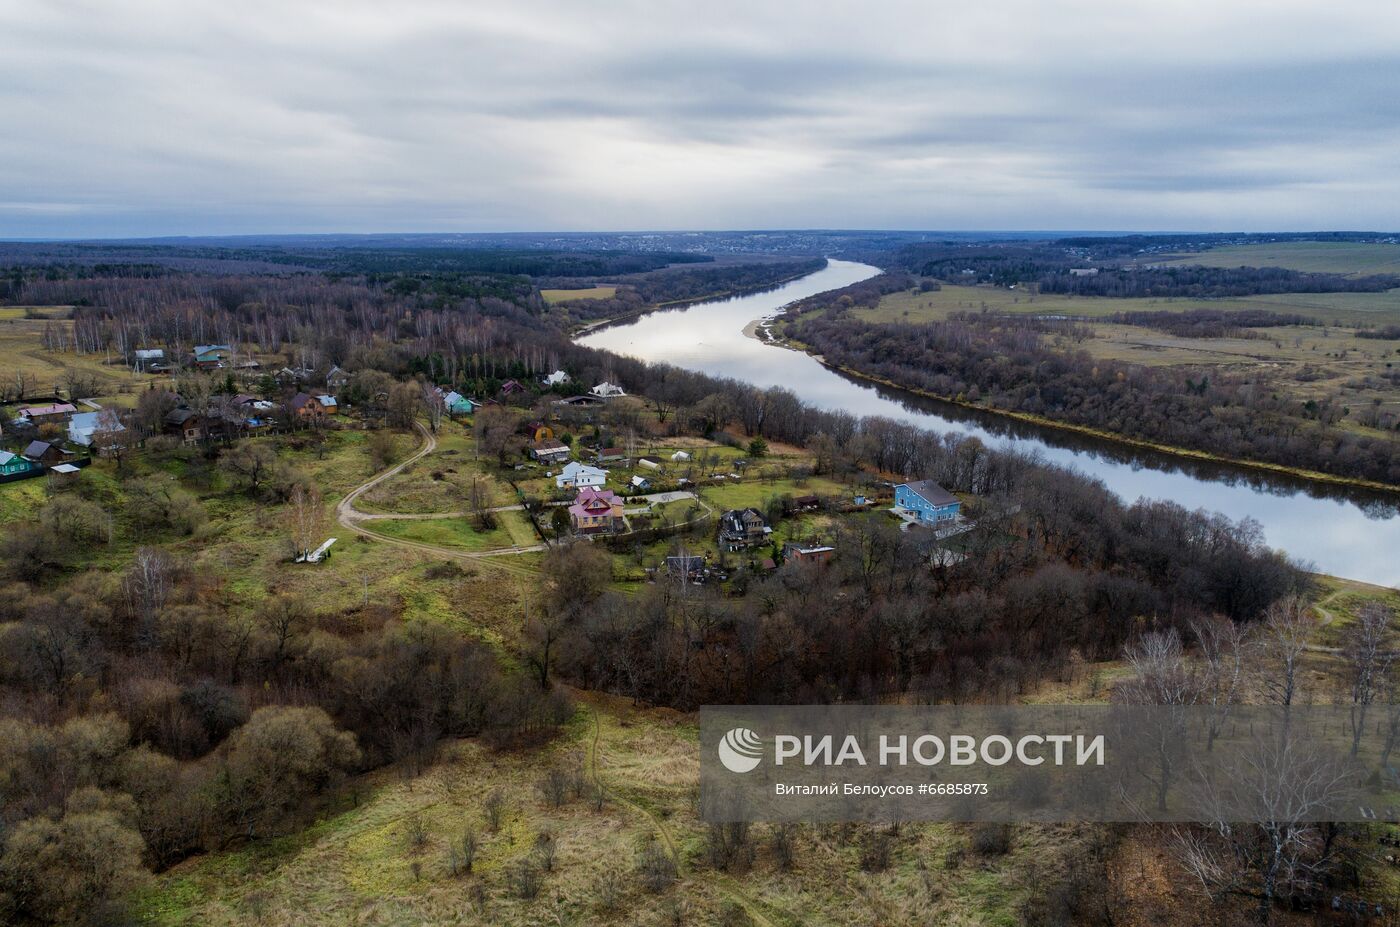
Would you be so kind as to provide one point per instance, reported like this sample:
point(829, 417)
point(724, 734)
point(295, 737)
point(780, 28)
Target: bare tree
point(1223, 647)
point(305, 517)
point(1160, 676)
point(1284, 640)
point(433, 405)
point(1368, 663)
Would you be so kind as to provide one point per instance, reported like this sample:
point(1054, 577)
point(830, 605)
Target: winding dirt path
point(352, 518)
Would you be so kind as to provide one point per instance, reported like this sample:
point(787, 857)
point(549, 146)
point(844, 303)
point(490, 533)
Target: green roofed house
point(13, 464)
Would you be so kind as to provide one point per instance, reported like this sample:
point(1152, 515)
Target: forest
point(150, 714)
point(1000, 363)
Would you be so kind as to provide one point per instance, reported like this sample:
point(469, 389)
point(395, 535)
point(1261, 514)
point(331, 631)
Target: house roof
point(180, 416)
point(640, 481)
point(541, 446)
point(210, 348)
point(6, 457)
point(931, 492)
point(685, 562)
point(574, 468)
point(327, 401)
point(37, 449)
point(53, 408)
point(149, 353)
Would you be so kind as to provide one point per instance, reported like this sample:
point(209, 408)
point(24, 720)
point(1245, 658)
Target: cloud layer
point(150, 117)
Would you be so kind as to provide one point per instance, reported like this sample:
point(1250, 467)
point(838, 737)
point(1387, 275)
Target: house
point(457, 404)
point(808, 553)
point(809, 503)
point(293, 375)
point(210, 356)
point(611, 455)
point(580, 476)
point(651, 463)
point(53, 412)
point(926, 501)
point(740, 528)
point(82, 426)
point(512, 388)
point(308, 406)
point(584, 400)
point(186, 423)
point(144, 359)
point(537, 431)
point(550, 451)
point(13, 464)
point(337, 379)
point(606, 390)
point(641, 483)
point(686, 566)
point(596, 510)
point(557, 378)
point(680, 457)
point(44, 454)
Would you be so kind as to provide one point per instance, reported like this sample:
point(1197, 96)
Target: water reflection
point(1344, 531)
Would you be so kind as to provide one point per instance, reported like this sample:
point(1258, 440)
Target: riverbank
point(762, 331)
point(589, 327)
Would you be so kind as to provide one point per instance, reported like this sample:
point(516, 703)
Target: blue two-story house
point(927, 501)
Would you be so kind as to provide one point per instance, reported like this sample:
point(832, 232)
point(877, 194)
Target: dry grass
point(1328, 257)
point(595, 292)
point(22, 352)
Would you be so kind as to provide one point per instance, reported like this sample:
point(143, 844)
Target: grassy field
point(1344, 309)
point(22, 352)
point(1330, 257)
point(1310, 361)
point(512, 530)
point(594, 292)
point(362, 864)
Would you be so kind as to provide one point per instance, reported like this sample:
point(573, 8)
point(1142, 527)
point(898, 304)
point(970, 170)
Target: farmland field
point(594, 292)
point(1328, 257)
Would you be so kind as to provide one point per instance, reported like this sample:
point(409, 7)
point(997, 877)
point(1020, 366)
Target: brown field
point(1312, 362)
point(595, 292)
point(1329, 257)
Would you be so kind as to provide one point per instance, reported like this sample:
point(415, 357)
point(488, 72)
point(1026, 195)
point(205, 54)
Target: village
point(550, 463)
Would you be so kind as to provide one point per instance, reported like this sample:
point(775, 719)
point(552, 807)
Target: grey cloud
point(308, 116)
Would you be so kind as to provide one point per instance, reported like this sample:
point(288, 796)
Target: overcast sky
point(146, 117)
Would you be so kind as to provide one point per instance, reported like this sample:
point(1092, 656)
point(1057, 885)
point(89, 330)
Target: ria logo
point(741, 750)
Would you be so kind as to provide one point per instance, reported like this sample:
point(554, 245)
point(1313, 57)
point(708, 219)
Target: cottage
point(926, 502)
point(537, 431)
point(641, 484)
point(808, 553)
point(44, 454)
point(43, 415)
point(686, 566)
point(297, 375)
point(557, 378)
point(680, 457)
point(210, 356)
point(186, 423)
point(576, 401)
point(84, 425)
point(152, 359)
point(606, 390)
point(308, 406)
point(337, 379)
point(611, 455)
point(596, 510)
point(13, 464)
point(578, 476)
point(740, 528)
point(549, 451)
point(512, 388)
point(457, 404)
point(809, 503)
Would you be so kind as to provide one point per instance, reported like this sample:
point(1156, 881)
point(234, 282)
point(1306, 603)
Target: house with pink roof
point(596, 510)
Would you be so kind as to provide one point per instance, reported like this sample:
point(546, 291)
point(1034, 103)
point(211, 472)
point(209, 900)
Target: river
point(1342, 531)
